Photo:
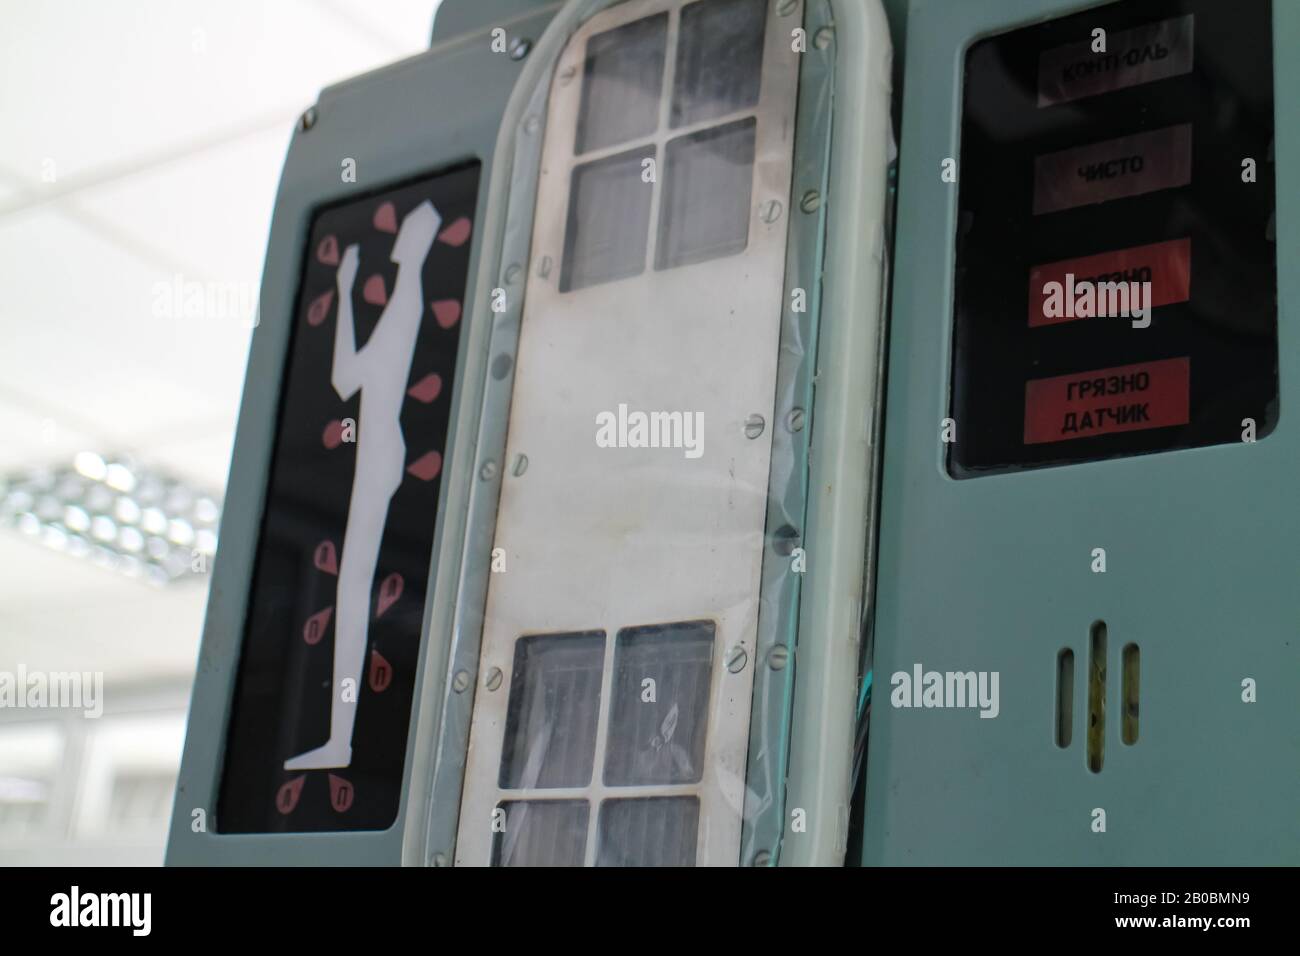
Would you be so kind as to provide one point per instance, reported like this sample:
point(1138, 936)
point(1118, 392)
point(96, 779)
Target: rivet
point(778, 657)
point(460, 682)
point(736, 658)
point(494, 678)
point(754, 426)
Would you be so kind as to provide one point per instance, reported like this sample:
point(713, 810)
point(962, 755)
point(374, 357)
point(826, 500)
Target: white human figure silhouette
point(379, 371)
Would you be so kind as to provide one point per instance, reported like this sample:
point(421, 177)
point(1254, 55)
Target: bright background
point(140, 141)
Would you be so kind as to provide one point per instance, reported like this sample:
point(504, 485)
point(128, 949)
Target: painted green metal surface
point(994, 574)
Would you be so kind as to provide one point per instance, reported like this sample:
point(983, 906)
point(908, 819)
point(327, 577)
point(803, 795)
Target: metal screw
point(736, 658)
point(778, 657)
point(308, 119)
point(567, 75)
point(754, 426)
point(786, 7)
point(494, 678)
point(488, 471)
point(460, 682)
point(544, 267)
point(520, 466)
point(512, 273)
point(440, 859)
point(519, 48)
point(762, 858)
point(811, 201)
point(770, 211)
point(795, 420)
point(531, 124)
point(824, 37)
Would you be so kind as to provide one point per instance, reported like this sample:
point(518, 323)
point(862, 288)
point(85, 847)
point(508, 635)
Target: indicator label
point(1124, 399)
point(1166, 265)
point(1145, 54)
point(1113, 169)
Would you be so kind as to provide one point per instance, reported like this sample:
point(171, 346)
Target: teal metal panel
point(993, 574)
point(408, 119)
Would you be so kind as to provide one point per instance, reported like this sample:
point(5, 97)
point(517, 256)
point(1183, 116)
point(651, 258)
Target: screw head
point(544, 266)
point(824, 37)
point(494, 678)
point(778, 657)
point(811, 201)
point(531, 125)
point(754, 426)
point(762, 858)
point(795, 420)
point(488, 471)
point(519, 47)
point(736, 659)
point(786, 7)
point(567, 74)
point(460, 682)
point(520, 466)
point(308, 118)
point(440, 859)
point(771, 211)
point(512, 273)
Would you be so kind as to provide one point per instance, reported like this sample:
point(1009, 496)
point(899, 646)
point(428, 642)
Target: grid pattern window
point(664, 151)
point(643, 721)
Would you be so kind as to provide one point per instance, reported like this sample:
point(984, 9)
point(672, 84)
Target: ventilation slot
point(1097, 697)
point(1064, 698)
point(1130, 681)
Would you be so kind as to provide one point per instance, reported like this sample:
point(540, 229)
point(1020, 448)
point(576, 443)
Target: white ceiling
point(164, 125)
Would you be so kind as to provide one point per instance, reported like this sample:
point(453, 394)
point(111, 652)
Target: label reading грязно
point(1166, 265)
point(1113, 169)
point(1124, 399)
point(1144, 54)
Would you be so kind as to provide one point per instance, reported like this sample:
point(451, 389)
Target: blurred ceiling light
point(91, 509)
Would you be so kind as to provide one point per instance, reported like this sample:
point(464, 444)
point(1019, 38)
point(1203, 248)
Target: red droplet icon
point(386, 218)
point(320, 308)
point(427, 466)
point(446, 312)
point(427, 388)
point(314, 629)
point(381, 672)
point(328, 251)
point(389, 591)
point(286, 798)
point(456, 233)
point(326, 558)
point(341, 793)
point(374, 291)
point(332, 437)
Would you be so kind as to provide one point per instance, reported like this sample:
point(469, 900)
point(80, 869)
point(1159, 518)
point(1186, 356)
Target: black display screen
point(1116, 262)
point(319, 720)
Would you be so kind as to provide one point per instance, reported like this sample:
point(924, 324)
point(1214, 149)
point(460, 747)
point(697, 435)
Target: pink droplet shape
point(328, 251)
point(456, 233)
point(386, 218)
point(326, 558)
point(341, 793)
point(446, 312)
point(381, 672)
point(389, 591)
point(286, 797)
point(374, 290)
point(319, 309)
point(427, 466)
point(332, 437)
point(427, 388)
point(314, 629)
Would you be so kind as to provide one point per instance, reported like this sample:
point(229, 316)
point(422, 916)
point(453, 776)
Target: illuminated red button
point(1166, 265)
point(1124, 399)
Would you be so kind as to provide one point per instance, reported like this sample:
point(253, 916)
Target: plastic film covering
point(638, 522)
